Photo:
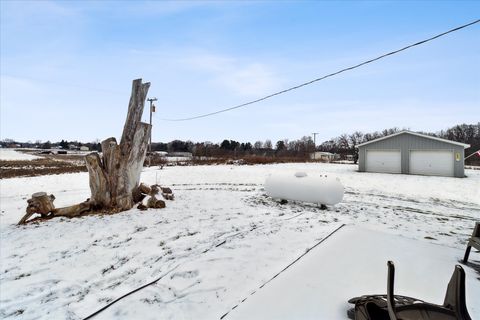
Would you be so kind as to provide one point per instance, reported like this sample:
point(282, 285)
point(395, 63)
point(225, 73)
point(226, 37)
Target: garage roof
point(465, 146)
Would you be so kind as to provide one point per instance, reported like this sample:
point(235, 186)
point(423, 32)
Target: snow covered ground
point(11, 154)
point(217, 242)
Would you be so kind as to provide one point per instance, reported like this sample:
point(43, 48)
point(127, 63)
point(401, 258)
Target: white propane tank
point(321, 189)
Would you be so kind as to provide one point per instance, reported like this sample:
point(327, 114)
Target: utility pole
point(314, 145)
point(152, 109)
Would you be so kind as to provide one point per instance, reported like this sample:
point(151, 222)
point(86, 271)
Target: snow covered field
point(215, 244)
point(11, 154)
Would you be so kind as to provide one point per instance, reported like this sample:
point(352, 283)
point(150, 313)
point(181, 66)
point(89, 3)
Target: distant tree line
point(300, 149)
point(346, 144)
point(38, 144)
point(343, 145)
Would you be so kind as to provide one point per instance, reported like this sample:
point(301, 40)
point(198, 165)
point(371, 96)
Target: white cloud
point(159, 8)
point(252, 79)
point(240, 77)
point(21, 12)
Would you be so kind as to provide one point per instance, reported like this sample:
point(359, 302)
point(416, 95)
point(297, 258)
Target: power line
point(325, 76)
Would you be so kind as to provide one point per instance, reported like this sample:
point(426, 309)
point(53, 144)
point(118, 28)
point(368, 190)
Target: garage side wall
point(407, 142)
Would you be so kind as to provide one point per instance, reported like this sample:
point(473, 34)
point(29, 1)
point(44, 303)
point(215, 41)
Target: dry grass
point(37, 167)
point(58, 164)
point(248, 160)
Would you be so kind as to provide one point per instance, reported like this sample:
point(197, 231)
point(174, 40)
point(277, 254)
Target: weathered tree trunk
point(39, 203)
point(42, 204)
point(114, 178)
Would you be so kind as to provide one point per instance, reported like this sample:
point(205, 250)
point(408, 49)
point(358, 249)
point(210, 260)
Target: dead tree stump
point(114, 178)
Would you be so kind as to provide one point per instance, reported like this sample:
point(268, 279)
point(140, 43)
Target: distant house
point(73, 147)
point(413, 153)
point(323, 156)
point(84, 148)
point(180, 154)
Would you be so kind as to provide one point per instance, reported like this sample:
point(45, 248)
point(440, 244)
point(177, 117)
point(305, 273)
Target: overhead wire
point(323, 77)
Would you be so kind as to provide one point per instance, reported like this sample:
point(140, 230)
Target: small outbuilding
point(323, 156)
point(413, 153)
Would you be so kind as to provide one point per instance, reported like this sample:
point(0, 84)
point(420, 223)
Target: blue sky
point(66, 67)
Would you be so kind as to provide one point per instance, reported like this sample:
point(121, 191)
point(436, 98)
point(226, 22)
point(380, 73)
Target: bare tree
point(355, 139)
point(267, 144)
point(343, 143)
point(258, 145)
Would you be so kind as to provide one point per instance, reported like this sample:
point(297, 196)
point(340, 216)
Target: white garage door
point(388, 161)
point(435, 163)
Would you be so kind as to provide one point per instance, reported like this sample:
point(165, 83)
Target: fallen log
point(42, 204)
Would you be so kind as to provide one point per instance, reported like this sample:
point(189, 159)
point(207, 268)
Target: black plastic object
point(396, 307)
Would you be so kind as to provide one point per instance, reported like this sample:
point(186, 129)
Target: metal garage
point(413, 153)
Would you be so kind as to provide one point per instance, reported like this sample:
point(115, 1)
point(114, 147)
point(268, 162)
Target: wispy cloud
point(19, 12)
point(245, 78)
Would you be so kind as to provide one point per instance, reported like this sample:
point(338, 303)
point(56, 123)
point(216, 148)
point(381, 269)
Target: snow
point(300, 186)
point(11, 154)
point(222, 236)
point(423, 271)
